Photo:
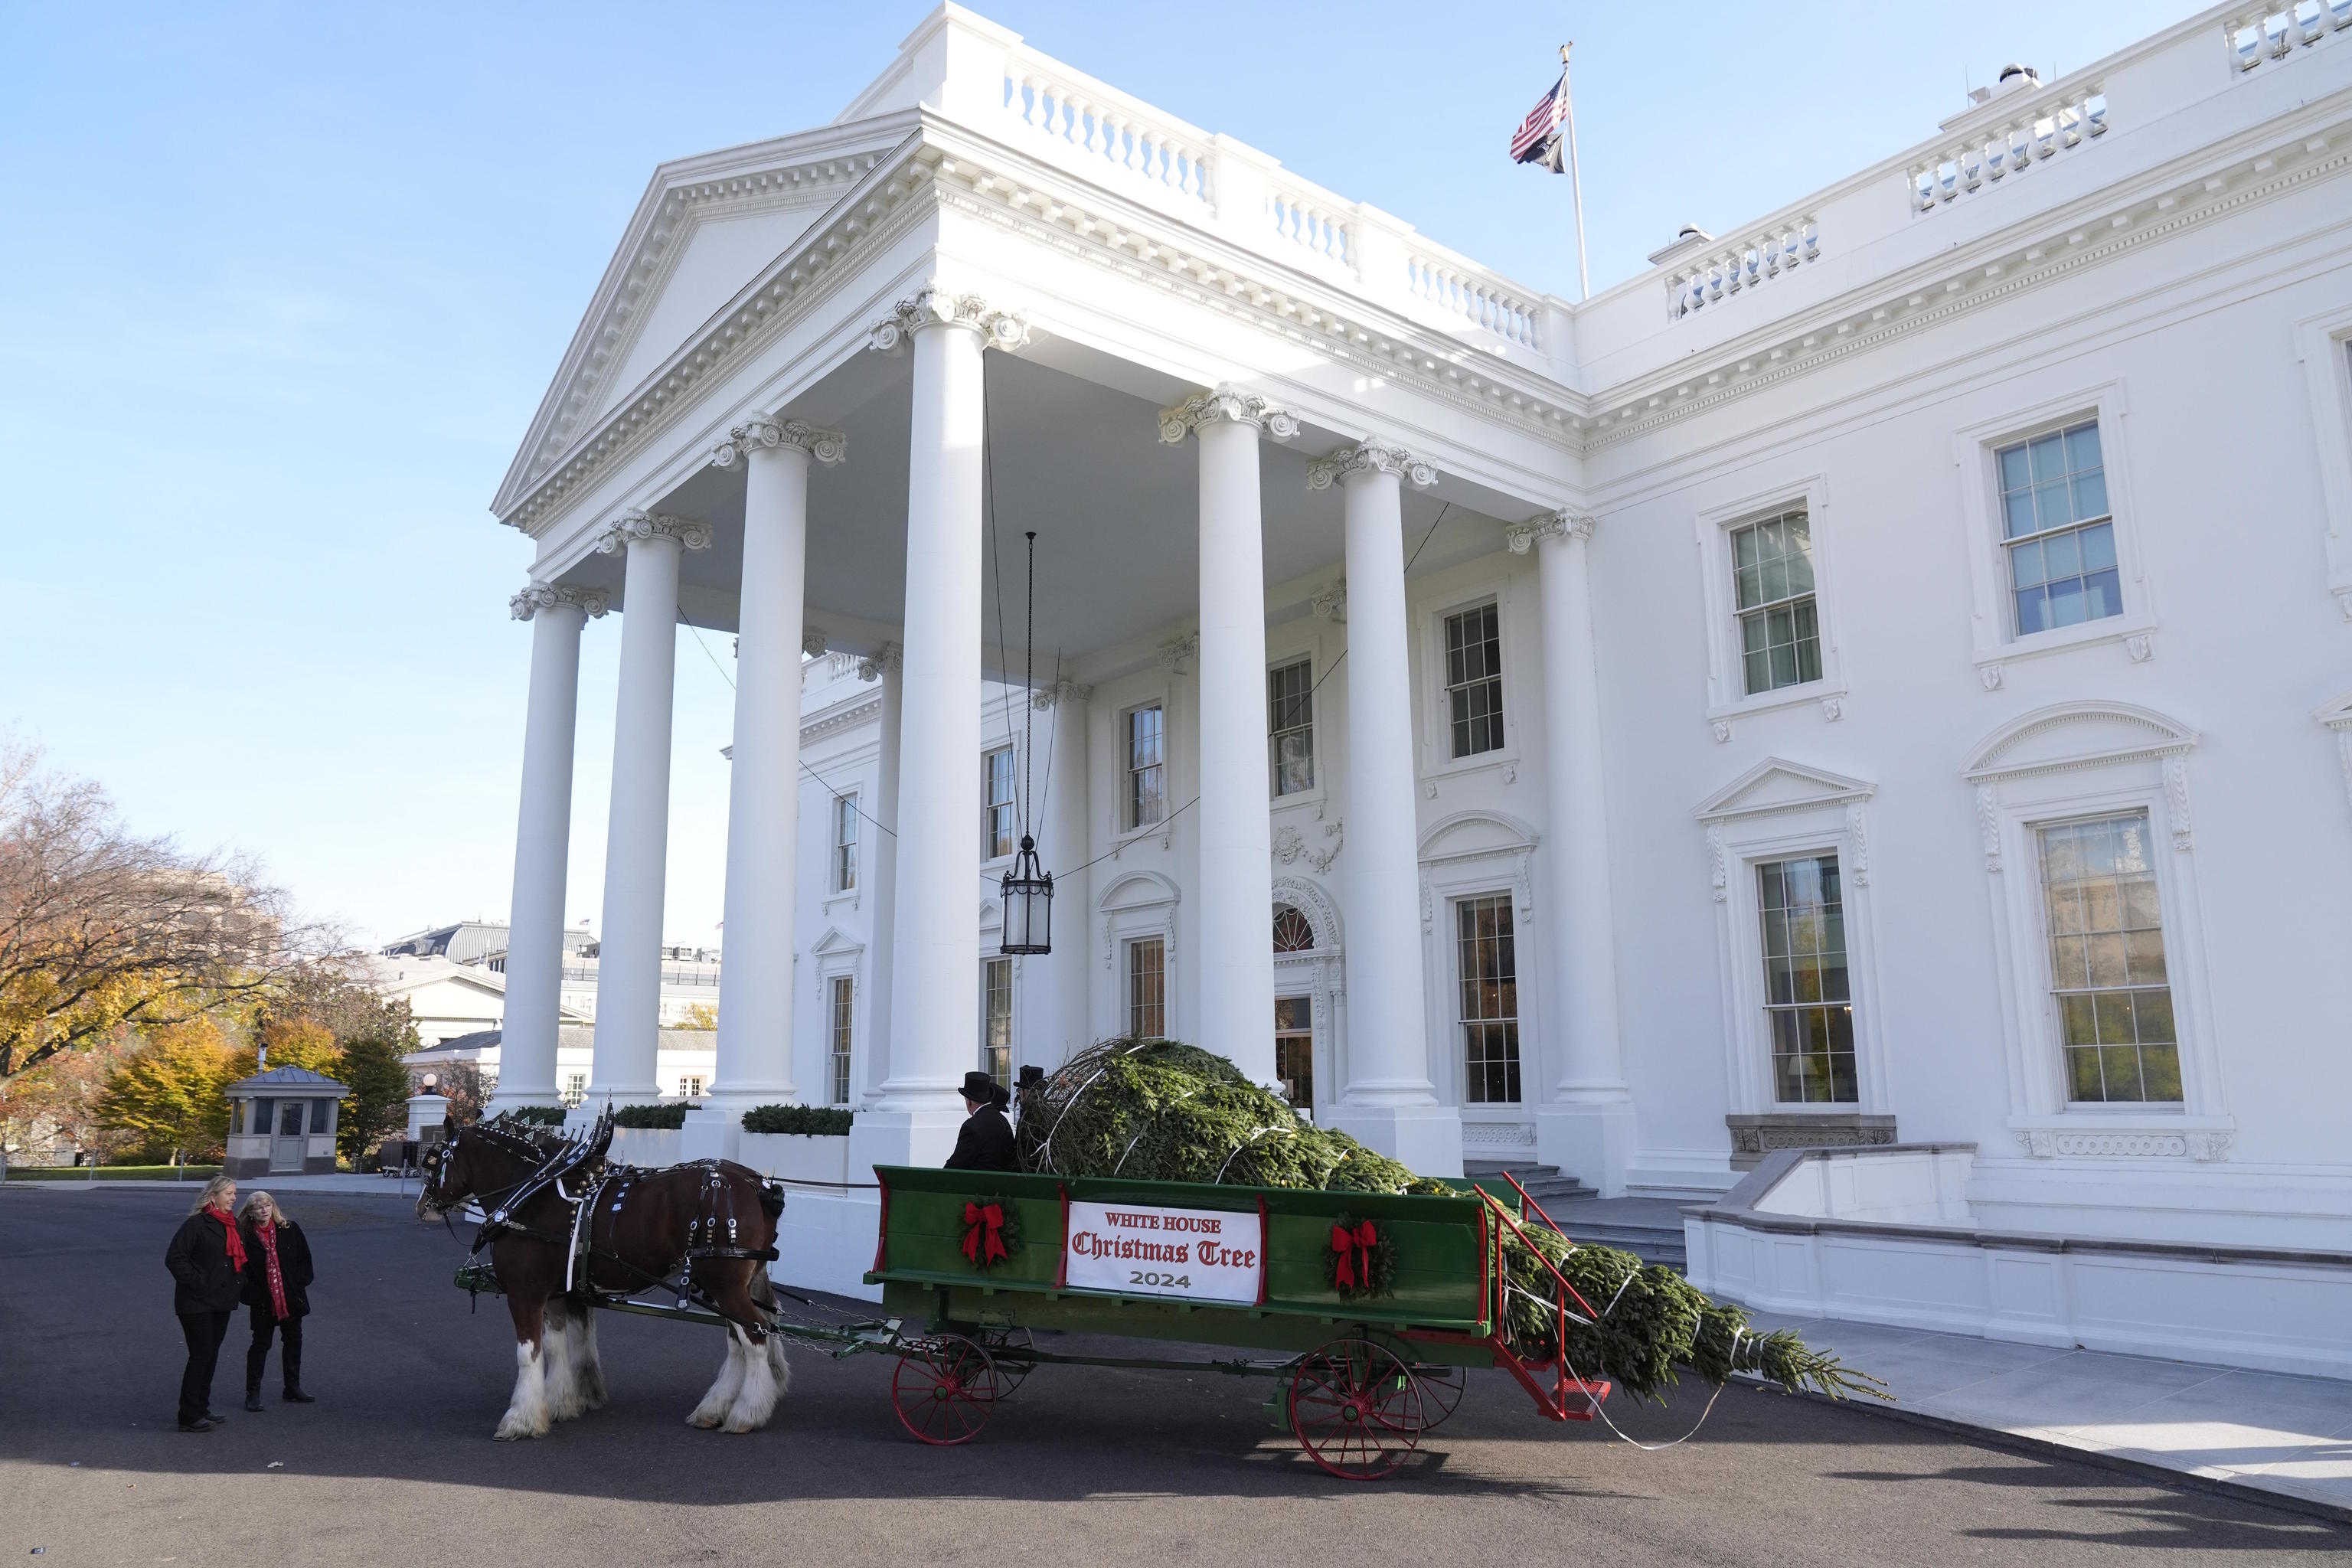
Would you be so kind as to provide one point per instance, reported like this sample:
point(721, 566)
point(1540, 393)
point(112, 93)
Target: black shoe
point(199, 1425)
point(253, 1400)
point(215, 1418)
point(296, 1396)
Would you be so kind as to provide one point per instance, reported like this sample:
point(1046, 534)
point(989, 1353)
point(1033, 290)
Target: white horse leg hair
point(757, 1399)
point(563, 1379)
point(587, 1366)
point(721, 1397)
point(526, 1417)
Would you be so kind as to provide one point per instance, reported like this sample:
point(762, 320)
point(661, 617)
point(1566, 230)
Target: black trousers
point(204, 1332)
point(258, 1357)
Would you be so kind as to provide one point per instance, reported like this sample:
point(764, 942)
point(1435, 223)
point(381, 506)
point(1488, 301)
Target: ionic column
point(886, 667)
point(755, 987)
point(543, 843)
point(1236, 855)
point(1388, 1102)
point(935, 933)
point(1061, 1029)
point(637, 842)
point(1587, 1130)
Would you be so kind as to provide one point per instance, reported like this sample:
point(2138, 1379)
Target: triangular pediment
point(706, 229)
point(835, 939)
point(1777, 784)
point(2074, 735)
point(2335, 715)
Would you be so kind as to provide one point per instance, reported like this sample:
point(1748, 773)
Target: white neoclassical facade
point(1883, 674)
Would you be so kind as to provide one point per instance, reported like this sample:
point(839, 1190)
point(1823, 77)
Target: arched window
point(1291, 931)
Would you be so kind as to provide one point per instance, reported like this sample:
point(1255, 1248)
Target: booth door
point(286, 1148)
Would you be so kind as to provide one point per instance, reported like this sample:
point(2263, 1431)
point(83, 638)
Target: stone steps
point(1585, 1215)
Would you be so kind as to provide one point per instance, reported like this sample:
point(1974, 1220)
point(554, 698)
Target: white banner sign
point(1202, 1254)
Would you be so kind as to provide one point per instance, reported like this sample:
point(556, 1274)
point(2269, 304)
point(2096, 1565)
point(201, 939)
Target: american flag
point(1537, 141)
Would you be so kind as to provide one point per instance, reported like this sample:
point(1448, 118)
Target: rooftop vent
point(1690, 239)
point(2013, 79)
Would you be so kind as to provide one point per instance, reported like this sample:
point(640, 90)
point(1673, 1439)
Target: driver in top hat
point(985, 1144)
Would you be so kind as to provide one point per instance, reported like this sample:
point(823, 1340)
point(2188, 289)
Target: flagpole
point(1575, 177)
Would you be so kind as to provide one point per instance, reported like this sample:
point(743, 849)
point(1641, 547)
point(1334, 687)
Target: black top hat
point(980, 1088)
point(1030, 1075)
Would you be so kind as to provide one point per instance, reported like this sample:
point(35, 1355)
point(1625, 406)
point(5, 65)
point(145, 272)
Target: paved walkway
point(2291, 1436)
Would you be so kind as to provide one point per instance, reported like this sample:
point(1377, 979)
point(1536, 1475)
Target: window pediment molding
point(1465, 834)
point(835, 942)
point(1777, 784)
point(1322, 910)
point(1139, 891)
point(2071, 735)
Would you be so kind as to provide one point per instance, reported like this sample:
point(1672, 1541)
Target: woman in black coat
point(207, 1258)
point(276, 1286)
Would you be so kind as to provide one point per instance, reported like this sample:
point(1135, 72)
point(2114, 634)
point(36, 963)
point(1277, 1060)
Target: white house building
point(1884, 673)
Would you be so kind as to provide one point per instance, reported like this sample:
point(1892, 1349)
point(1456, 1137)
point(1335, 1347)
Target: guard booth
point(282, 1123)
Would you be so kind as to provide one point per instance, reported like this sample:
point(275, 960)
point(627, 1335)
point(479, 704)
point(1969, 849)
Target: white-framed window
point(1807, 992)
point(1486, 1011)
point(1788, 866)
point(2084, 812)
point(1773, 592)
point(2054, 562)
point(1147, 986)
point(1474, 680)
point(1765, 573)
point(690, 1086)
point(575, 1087)
point(1145, 737)
point(2103, 918)
point(2323, 344)
point(1290, 715)
point(998, 823)
point(841, 1019)
point(845, 843)
point(2058, 532)
point(996, 1020)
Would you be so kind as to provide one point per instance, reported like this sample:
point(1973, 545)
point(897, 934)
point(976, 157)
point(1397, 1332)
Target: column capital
point(1225, 401)
point(882, 661)
point(768, 431)
point(1331, 604)
point(936, 305)
point(1046, 697)
point(1176, 652)
point(1371, 457)
point(633, 526)
point(1522, 537)
point(538, 596)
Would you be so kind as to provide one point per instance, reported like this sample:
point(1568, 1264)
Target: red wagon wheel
point(944, 1389)
point(1356, 1409)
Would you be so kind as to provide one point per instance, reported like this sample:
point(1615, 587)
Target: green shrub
point(670, 1117)
point(817, 1120)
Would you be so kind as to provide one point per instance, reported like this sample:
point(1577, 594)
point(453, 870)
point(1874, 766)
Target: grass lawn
point(111, 1173)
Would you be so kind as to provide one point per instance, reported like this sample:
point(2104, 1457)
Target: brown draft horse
point(639, 1234)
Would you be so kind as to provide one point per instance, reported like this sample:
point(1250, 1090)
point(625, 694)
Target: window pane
point(1488, 1021)
point(2083, 447)
point(2159, 1070)
point(2017, 512)
point(1147, 1012)
point(2048, 458)
point(2113, 1010)
point(2090, 494)
point(1807, 1011)
point(2013, 474)
point(1474, 680)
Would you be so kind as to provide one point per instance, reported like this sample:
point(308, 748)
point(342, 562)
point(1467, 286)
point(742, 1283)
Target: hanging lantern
point(1028, 902)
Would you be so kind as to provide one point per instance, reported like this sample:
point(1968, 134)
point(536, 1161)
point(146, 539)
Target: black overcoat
point(293, 1268)
point(204, 1279)
point(985, 1144)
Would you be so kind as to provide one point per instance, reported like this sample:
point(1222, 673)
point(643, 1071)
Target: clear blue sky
point(284, 284)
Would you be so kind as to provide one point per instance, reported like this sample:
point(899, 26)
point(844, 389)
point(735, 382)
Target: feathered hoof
point(511, 1431)
point(704, 1421)
point(742, 1427)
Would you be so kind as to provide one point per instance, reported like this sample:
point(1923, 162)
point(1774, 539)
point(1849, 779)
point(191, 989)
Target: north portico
point(1847, 686)
point(805, 457)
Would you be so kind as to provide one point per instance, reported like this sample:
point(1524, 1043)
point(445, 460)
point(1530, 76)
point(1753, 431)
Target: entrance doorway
point(1293, 1051)
point(286, 1148)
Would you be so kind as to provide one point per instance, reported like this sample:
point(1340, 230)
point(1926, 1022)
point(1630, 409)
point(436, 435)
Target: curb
point(2047, 1449)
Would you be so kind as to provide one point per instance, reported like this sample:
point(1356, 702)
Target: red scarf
point(236, 1242)
point(268, 1236)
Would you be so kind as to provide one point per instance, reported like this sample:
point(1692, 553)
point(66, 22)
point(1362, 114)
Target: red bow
point(1355, 1250)
point(986, 1230)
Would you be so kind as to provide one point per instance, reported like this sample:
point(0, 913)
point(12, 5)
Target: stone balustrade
point(1731, 269)
point(2038, 130)
point(1476, 295)
point(2272, 32)
point(1125, 135)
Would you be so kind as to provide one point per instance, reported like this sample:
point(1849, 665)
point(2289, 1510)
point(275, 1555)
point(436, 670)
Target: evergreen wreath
point(1360, 1260)
point(992, 1232)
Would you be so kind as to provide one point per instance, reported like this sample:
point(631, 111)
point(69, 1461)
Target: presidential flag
point(1538, 140)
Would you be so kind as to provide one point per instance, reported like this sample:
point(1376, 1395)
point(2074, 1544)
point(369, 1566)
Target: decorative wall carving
point(2205, 1144)
point(1174, 654)
point(1046, 697)
point(1755, 1135)
point(1290, 846)
point(1331, 604)
point(1497, 1135)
